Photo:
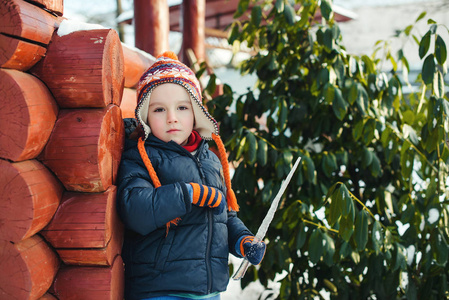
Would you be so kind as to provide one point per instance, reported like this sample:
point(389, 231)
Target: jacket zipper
point(209, 243)
point(210, 222)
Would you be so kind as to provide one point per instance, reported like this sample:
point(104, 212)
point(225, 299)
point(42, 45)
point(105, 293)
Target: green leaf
point(328, 39)
point(241, 8)
point(410, 133)
point(422, 15)
point(367, 157)
point(251, 153)
point(289, 14)
point(262, 152)
point(346, 228)
point(241, 147)
point(428, 69)
point(315, 246)
point(358, 130)
point(335, 207)
point(361, 230)
point(439, 247)
point(256, 15)
point(326, 9)
point(279, 6)
point(353, 93)
point(376, 168)
point(340, 106)
point(329, 164)
point(377, 237)
point(283, 113)
point(309, 169)
point(301, 236)
point(438, 84)
point(424, 44)
point(440, 50)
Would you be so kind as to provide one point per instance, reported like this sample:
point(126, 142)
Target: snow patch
point(69, 26)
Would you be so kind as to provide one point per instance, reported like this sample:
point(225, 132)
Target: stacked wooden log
point(61, 138)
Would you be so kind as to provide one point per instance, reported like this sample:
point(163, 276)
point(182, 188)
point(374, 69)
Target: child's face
point(170, 113)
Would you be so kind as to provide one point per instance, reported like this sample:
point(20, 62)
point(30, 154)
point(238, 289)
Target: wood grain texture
point(27, 115)
point(29, 197)
point(28, 268)
point(18, 54)
point(136, 63)
point(86, 229)
point(84, 69)
point(27, 21)
point(90, 283)
point(85, 148)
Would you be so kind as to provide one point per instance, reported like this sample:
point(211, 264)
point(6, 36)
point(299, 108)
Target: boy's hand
point(253, 253)
point(206, 196)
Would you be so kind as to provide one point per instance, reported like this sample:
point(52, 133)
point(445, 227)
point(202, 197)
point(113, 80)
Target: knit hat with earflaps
point(168, 69)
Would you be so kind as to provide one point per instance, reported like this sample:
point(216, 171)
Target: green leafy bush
point(365, 216)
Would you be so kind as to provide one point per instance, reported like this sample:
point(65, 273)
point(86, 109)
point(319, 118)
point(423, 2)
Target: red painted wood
point(22, 19)
point(151, 23)
point(129, 103)
point(55, 6)
point(28, 268)
point(90, 283)
point(136, 64)
point(27, 115)
point(84, 69)
point(194, 13)
point(29, 197)
point(86, 229)
point(18, 54)
point(85, 147)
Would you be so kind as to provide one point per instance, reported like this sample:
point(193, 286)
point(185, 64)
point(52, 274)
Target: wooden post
point(86, 229)
point(27, 115)
point(83, 68)
point(91, 283)
point(29, 197)
point(151, 26)
point(85, 147)
point(193, 29)
point(28, 268)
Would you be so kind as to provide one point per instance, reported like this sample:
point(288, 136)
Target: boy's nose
point(171, 117)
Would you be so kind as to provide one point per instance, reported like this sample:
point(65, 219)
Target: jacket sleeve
point(142, 207)
point(236, 229)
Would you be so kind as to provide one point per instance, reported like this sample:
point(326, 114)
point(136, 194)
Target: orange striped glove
point(206, 196)
point(253, 253)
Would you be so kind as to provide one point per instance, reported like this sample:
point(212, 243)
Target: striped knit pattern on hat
point(168, 69)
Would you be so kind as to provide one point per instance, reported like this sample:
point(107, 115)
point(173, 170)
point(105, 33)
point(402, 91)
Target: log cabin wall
point(63, 98)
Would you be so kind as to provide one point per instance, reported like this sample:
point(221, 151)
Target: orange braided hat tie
point(153, 175)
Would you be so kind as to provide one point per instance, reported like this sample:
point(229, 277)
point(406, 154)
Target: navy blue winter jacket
point(193, 257)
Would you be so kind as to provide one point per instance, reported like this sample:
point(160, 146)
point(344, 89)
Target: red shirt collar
point(193, 142)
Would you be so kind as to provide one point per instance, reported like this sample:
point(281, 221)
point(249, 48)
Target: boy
point(180, 227)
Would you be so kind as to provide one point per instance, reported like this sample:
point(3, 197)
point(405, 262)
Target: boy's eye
point(183, 108)
point(158, 110)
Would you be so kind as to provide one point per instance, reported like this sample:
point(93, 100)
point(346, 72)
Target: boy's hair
point(168, 69)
